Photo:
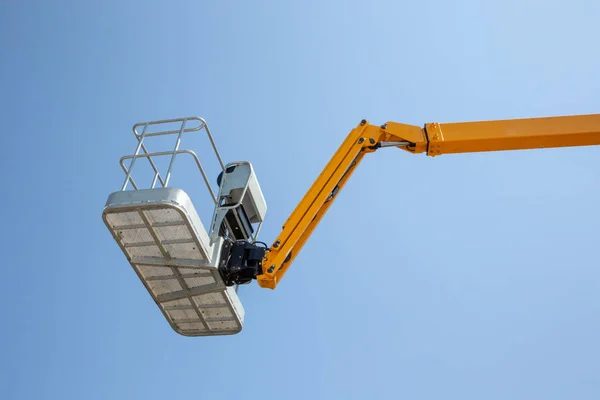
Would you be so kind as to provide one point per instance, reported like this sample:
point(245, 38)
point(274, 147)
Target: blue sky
point(458, 277)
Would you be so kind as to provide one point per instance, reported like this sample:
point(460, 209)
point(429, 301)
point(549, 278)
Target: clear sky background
point(457, 277)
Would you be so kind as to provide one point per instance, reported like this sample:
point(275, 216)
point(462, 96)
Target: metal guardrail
point(142, 152)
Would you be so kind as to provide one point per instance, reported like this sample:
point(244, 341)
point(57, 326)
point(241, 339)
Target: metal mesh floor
point(167, 246)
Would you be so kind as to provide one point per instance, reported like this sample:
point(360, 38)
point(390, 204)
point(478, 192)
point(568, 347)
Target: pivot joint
point(241, 262)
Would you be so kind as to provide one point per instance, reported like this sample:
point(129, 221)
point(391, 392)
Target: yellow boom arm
point(434, 139)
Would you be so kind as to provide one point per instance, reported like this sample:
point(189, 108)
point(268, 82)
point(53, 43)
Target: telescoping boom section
point(434, 139)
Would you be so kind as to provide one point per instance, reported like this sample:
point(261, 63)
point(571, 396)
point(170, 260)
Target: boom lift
point(193, 275)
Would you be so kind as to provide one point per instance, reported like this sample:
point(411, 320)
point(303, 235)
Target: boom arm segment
point(516, 134)
point(434, 139)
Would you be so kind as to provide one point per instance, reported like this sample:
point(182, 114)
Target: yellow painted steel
point(434, 139)
point(315, 203)
point(516, 134)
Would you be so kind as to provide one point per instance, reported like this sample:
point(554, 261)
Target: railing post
point(137, 151)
